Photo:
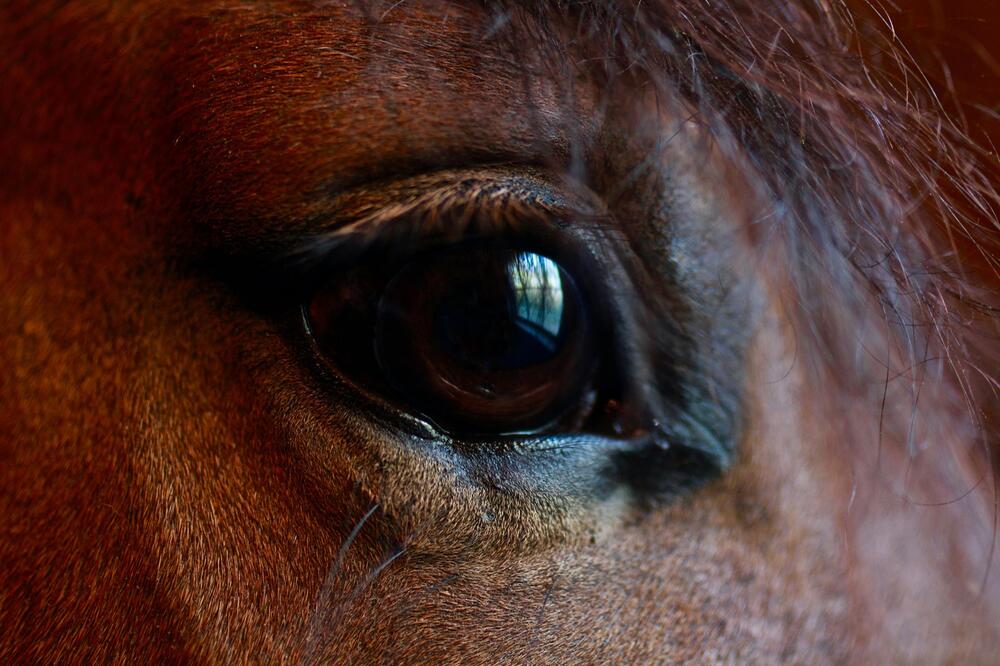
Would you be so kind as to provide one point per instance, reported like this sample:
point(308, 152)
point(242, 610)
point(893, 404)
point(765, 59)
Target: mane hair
point(883, 211)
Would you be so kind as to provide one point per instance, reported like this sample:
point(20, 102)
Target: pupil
point(514, 322)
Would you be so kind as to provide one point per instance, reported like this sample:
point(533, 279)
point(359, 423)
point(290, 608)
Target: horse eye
point(480, 339)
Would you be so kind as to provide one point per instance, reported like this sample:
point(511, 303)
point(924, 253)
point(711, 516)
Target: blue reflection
point(537, 289)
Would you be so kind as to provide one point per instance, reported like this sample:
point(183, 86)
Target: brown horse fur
point(179, 485)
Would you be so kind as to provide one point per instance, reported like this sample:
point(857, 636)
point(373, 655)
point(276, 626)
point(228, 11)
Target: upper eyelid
point(450, 204)
point(403, 215)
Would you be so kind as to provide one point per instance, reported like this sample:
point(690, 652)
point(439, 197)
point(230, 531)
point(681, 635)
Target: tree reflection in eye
point(536, 284)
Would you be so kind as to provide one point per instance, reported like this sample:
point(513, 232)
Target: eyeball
point(481, 339)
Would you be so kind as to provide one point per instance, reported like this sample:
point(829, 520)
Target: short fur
point(178, 486)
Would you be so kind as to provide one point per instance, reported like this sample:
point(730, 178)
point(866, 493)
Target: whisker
point(323, 600)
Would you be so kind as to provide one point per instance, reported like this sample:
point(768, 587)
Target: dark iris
point(479, 339)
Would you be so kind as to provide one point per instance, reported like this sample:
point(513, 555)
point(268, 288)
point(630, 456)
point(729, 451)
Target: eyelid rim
point(384, 411)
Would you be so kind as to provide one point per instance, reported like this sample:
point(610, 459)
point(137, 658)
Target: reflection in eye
point(478, 338)
point(538, 294)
